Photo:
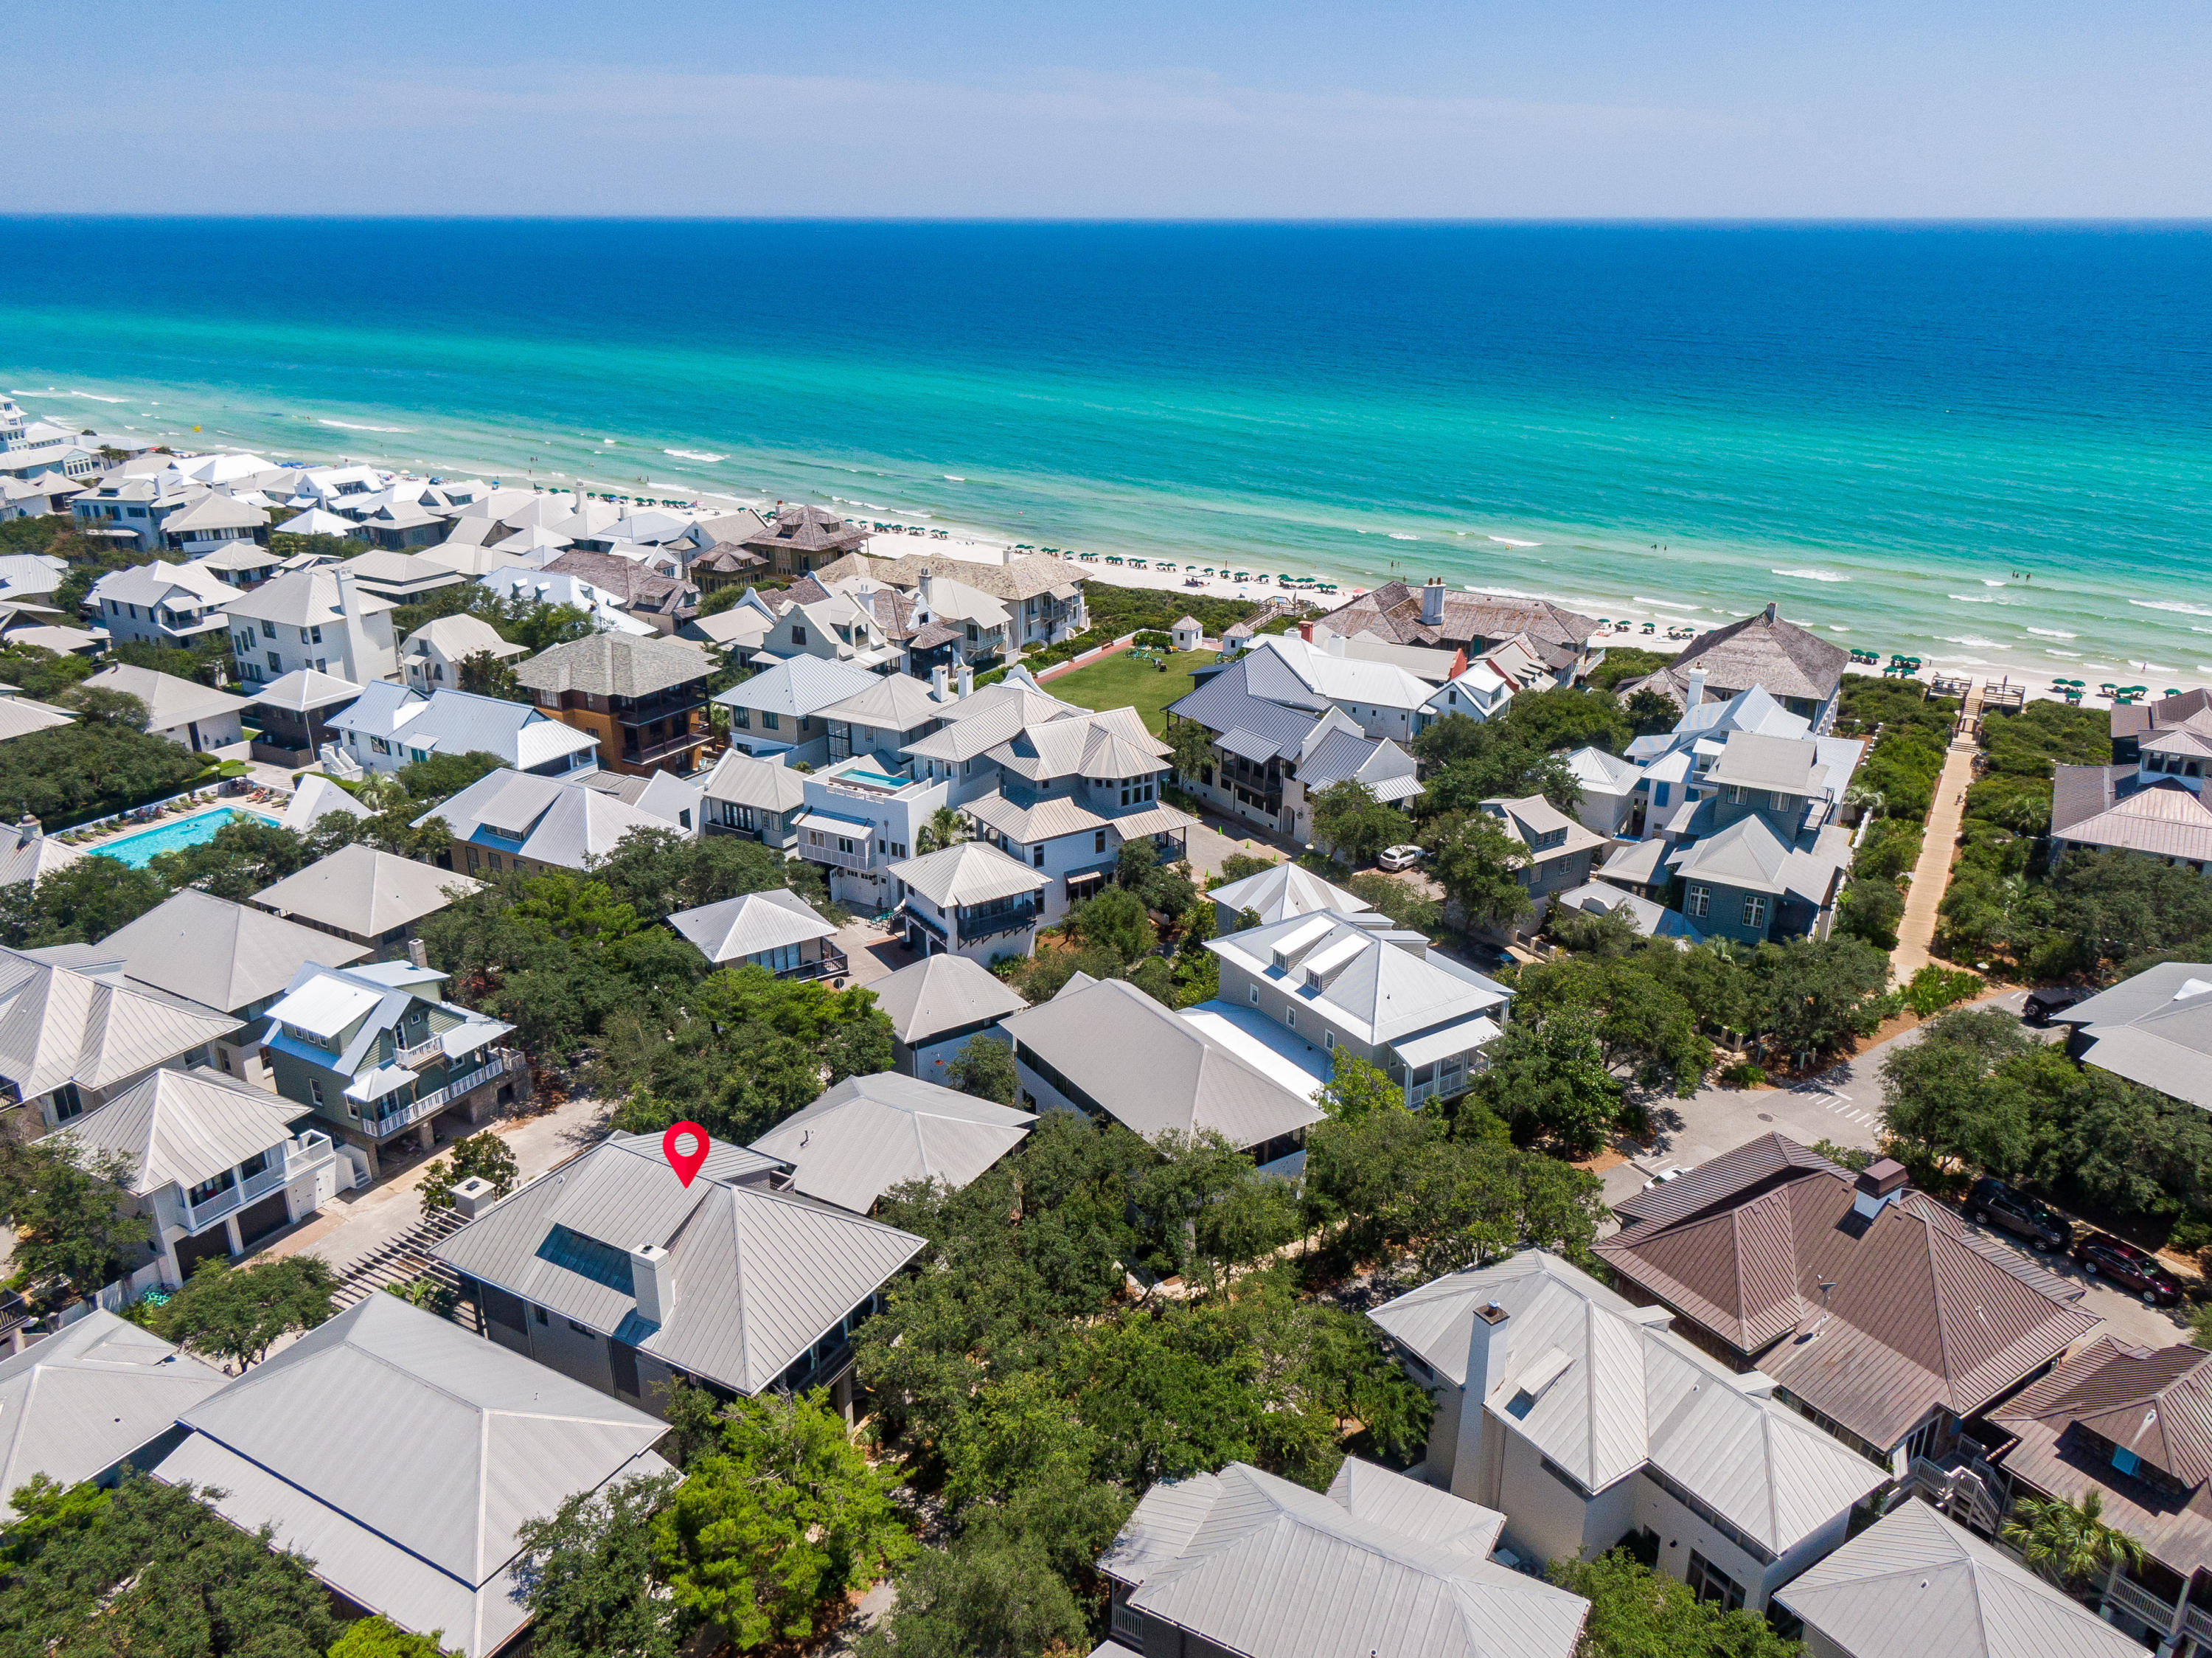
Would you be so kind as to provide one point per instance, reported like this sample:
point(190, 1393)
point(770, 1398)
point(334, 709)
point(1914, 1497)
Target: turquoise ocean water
point(1887, 429)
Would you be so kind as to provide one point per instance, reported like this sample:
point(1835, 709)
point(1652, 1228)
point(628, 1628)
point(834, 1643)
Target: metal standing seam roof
point(1791, 766)
point(760, 1275)
point(1384, 992)
point(971, 872)
point(1922, 1313)
point(170, 701)
point(798, 686)
point(868, 1134)
point(61, 1024)
point(559, 820)
point(1283, 891)
point(749, 923)
point(181, 1127)
point(743, 780)
point(894, 701)
point(224, 954)
point(1915, 1584)
point(1253, 1563)
point(1027, 821)
point(154, 584)
point(2092, 805)
point(1611, 1389)
point(427, 1539)
point(21, 715)
point(939, 993)
point(365, 892)
point(75, 1404)
point(2154, 1028)
point(1186, 1081)
point(457, 638)
point(302, 598)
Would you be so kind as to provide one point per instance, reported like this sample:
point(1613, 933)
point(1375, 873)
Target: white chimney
point(940, 683)
point(1432, 602)
point(1336, 644)
point(967, 681)
point(1696, 691)
point(1007, 555)
point(1486, 1352)
point(28, 829)
point(471, 1197)
point(652, 1283)
point(921, 595)
point(357, 658)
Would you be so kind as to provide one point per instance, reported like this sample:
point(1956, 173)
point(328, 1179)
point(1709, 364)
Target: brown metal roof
point(1917, 1313)
point(2156, 1403)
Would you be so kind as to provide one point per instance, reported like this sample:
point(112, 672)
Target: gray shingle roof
point(869, 1134)
point(1253, 1563)
point(1916, 1584)
point(224, 954)
point(759, 1275)
point(615, 665)
point(426, 1538)
point(79, 1402)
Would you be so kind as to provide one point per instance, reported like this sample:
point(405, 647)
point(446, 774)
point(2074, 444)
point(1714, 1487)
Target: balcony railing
point(642, 753)
point(975, 924)
point(833, 965)
point(2139, 1602)
point(415, 1111)
point(829, 852)
point(421, 1054)
point(294, 1159)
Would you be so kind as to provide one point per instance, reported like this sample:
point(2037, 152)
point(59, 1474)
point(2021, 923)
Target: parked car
point(1675, 1172)
point(2046, 1004)
point(1992, 1203)
point(1399, 857)
point(2101, 1256)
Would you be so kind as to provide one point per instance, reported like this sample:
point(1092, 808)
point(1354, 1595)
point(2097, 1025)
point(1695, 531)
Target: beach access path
point(1939, 845)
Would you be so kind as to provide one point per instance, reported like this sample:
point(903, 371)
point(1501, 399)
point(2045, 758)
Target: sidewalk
point(1916, 934)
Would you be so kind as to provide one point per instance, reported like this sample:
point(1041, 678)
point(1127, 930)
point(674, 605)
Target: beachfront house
point(1795, 666)
point(191, 714)
point(75, 1032)
point(130, 508)
point(969, 900)
point(1323, 982)
point(1245, 1561)
point(1041, 596)
point(758, 799)
point(312, 618)
point(516, 820)
point(215, 1165)
point(937, 1006)
point(365, 896)
point(231, 957)
point(643, 700)
point(777, 712)
point(616, 1272)
point(1879, 1316)
point(172, 606)
point(373, 1054)
point(392, 725)
point(1590, 1423)
point(800, 540)
point(651, 591)
point(2150, 802)
point(1435, 617)
point(1104, 1048)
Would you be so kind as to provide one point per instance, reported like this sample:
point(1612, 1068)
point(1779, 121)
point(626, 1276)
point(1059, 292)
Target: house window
point(208, 1189)
point(269, 630)
point(1660, 791)
point(315, 1090)
point(1754, 909)
point(798, 636)
point(1036, 856)
point(1098, 844)
point(770, 721)
point(1328, 1040)
point(68, 1102)
point(1709, 1583)
point(1290, 1017)
point(1255, 995)
point(1696, 901)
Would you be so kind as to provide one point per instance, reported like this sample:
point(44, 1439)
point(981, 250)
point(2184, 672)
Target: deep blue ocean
point(1884, 427)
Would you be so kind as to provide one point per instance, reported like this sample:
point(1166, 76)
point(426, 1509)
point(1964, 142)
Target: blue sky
point(1561, 108)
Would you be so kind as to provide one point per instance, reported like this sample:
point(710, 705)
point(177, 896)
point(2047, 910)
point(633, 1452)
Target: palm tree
point(946, 828)
point(2069, 1544)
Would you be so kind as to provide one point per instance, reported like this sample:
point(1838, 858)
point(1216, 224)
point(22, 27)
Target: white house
point(524, 585)
point(312, 618)
point(1588, 1423)
point(776, 712)
point(970, 899)
point(173, 605)
point(390, 726)
point(198, 717)
point(431, 656)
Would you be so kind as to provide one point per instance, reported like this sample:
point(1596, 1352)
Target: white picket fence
point(113, 1297)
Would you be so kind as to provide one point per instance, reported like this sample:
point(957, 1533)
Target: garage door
point(257, 1222)
point(190, 1251)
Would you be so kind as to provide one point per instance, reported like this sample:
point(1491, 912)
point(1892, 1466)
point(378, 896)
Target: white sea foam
point(2071, 656)
point(1988, 583)
point(1508, 542)
point(1663, 604)
point(347, 425)
point(1399, 535)
point(695, 455)
point(1973, 640)
point(1962, 662)
point(56, 391)
point(1810, 575)
point(954, 478)
point(1978, 598)
point(1833, 628)
point(2172, 605)
point(2155, 667)
point(2051, 633)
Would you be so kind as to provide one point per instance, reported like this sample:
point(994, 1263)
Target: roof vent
point(1880, 1185)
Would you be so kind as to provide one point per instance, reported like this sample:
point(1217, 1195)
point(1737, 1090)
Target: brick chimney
point(1305, 632)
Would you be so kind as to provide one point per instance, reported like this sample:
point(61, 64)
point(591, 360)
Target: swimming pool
point(140, 849)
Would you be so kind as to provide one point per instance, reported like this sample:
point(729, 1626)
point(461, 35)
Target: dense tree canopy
point(65, 1205)
point(233, 1314)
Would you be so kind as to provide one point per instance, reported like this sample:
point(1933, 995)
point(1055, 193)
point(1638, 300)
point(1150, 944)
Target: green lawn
point(1123, 682)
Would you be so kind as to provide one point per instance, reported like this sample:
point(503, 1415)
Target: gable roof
point(363, 892)
point(1187, 1082)
point(457, 637)
point(1922, 1313)
point(1253, 1563)
point(749, 923)
point(68, 1024)
point(181, 1127)
point(170, 701)
point(1915, 1583)
point(154, 583)
point(894, 701)
point(1604, 1388)
point(1762, 650)
point(83, 1399)
point(428, 1539)
point(868, 1134)
point(939, 993)
point(224, 954)
point(615, 665)
point(759, 1275)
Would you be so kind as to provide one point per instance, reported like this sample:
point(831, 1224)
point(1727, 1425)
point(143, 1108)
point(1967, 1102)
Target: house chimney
point(1879, 1186)
point(28, 829)
point(1007, 555)
point(1336, 644)
point(1695, 693)
point(357, 663)
point(416, 956)
point(967, 681)
point(1486, 1352)
point(940, 683)
point(921, 589)
point(472, 1197)
point(1432, 602)
point(1305, 632)
point(1770, 610)
point(652, 1283)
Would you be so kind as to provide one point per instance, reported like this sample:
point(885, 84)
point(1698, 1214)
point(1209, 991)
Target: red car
point(2101, 1256)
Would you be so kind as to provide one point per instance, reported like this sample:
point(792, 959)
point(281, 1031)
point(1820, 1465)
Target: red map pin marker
point(684, 1145)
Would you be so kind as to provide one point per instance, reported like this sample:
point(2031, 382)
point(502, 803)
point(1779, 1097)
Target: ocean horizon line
point(1720, 221)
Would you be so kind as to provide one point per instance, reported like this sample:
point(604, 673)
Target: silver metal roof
point(224, 954)
point(939, 993)
point(425, 1536)
point(750, 924)
point(79, 1402)
point(760, 1275)
point(1255, 1564)
point(181, 1127)
point(869, 1134)
point(1285, 891)
point(363, 892)
point(61, 1024)
point(969, 873)
point(1916, 1584)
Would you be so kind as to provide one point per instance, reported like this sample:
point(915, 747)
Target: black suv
point(1993, 1203)
point(2128, 1267)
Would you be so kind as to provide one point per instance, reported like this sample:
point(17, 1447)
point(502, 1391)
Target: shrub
point(1934, 989)
point(1744, 1074)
